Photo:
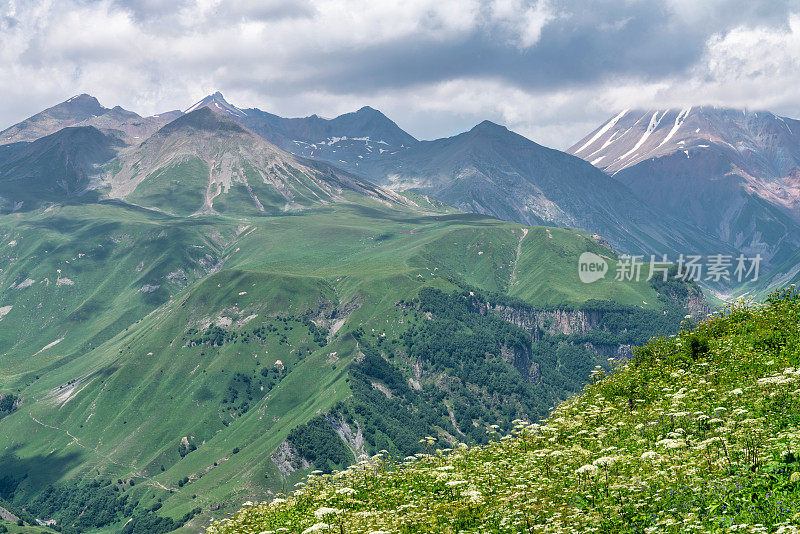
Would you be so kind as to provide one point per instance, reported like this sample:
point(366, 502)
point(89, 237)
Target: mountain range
point(488, 170)
point(206, 162)
point(201, 307)
point(692, 181)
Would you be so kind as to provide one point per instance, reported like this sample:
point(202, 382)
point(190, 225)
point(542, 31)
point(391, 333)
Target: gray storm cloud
point(549, 69)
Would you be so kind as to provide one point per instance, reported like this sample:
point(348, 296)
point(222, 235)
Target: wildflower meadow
point(699, 432)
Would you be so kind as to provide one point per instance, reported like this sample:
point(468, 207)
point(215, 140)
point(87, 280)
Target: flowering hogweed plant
point(675, 440)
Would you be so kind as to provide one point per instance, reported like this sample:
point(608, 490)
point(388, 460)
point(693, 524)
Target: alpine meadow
point(221, 318)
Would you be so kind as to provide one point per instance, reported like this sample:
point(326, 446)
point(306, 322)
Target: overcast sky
point(549, 69)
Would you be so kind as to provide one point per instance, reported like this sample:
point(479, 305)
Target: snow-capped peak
point(632, 137)
point(217, 102)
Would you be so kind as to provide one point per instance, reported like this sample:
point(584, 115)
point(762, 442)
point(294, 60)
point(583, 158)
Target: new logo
point(591, 267)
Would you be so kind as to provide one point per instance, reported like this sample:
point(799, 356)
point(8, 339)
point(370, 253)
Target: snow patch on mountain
point(679, 120)
point(654, 122)
point(610, 124)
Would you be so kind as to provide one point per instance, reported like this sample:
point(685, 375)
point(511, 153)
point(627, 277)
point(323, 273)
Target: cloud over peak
point(550, 69)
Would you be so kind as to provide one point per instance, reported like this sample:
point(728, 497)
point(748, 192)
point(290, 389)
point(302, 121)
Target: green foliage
point(7, 403)
point(467, 345)
point(83, 507)
point(396, 422)
point(319, 443)
point(213, 335)
point(98, 504)
point(150, 523)
point(185, 448)
point(8, 485)
point(490, 370)
point(695, 346)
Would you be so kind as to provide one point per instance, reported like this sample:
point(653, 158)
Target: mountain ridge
point(85, 110)
point(493, 171)
point(58, 167)
point(732, 173)
point(484, 170)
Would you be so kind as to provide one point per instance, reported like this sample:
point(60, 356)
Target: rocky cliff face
point(697, 306)
point(550, 322)
point(288, 460)
point(352, 437)
point(541, 323)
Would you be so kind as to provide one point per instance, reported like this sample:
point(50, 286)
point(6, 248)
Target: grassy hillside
point(162, 369)
point(699, 432)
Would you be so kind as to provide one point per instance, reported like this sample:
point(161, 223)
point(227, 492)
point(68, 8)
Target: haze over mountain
point(85, 110)
point(493, 171)
point(732, 173)
point(59, 167)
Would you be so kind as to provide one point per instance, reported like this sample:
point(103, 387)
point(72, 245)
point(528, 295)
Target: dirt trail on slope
point(75, 440)
point(513, 279)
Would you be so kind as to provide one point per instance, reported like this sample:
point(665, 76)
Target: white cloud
point(524, 20)
point(324, 56)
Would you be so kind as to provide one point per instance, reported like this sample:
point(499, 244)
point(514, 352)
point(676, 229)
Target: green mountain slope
point(159, 367)
point(783, 275)
point(698, 433)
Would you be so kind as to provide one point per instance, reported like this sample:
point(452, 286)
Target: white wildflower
point(605, 461)
point(588, 469)
point(474, 495)
point(671, 443)
point(323, 511)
